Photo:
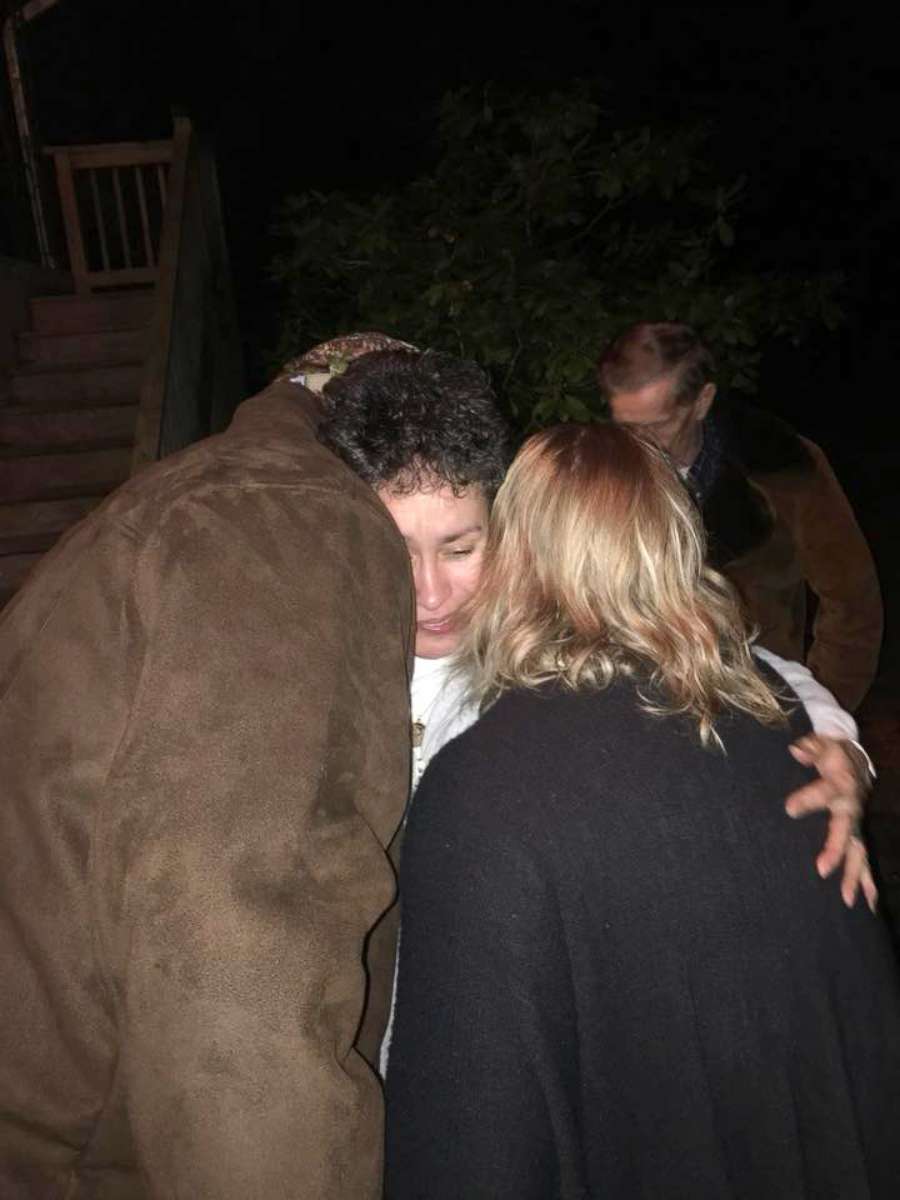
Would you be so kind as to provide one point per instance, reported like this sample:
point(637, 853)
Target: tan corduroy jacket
point(780, 527)
point(203, 754)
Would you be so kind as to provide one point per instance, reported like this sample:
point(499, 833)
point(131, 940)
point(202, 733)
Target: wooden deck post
point(69, 202)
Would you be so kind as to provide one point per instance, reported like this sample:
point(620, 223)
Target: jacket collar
point(756, 441)
point(283, 411)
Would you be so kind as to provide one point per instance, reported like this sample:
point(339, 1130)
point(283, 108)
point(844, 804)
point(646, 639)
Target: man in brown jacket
point(777, 519)
point(204, 751)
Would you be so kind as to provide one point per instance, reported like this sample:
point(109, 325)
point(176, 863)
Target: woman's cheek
point(475, 565)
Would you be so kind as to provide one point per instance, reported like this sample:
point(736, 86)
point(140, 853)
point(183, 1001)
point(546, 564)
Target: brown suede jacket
point(204, 752)
point(779, 524)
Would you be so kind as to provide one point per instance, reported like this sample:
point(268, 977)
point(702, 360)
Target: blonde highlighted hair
point(595, 569)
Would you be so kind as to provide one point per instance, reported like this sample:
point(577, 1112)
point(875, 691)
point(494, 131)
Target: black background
point(801, 96)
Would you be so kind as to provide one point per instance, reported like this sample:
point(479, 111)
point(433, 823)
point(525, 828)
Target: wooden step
point(87, 386)
point(92, 314)
point(33, 526)
point(88, 428)
point(57, 476)
point(64, 349)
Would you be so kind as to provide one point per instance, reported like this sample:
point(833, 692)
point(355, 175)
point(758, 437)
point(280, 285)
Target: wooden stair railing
point(97, 384)
point(113, 200)
point(193, 377)
point(141, 214)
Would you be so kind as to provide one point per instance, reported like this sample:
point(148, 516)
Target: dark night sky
point(801, 95)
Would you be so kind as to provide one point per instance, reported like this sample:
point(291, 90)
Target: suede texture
point(204, 741)
point(780, 527)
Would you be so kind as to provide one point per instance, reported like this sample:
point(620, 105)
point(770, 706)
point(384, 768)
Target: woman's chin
point(435, 645)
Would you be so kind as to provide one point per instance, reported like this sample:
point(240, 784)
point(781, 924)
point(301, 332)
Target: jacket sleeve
point(840, 571)
point(263, 769)
point(482, 1081)
point(825, 714)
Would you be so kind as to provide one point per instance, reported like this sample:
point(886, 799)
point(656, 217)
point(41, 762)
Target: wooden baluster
point(98, 213)
point(120, 209)
point(161, 179)
point(145, 224)
point(161, 359)
point(74, 240)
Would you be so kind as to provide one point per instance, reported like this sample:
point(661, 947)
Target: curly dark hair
point(412, 421)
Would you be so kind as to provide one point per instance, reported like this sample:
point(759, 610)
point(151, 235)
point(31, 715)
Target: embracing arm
point(845, 775)
point(242, 848)
point(825, 714)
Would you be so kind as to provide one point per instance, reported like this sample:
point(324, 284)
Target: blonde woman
point(620, 974)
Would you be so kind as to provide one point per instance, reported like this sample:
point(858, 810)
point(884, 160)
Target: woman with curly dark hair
point(426, 432)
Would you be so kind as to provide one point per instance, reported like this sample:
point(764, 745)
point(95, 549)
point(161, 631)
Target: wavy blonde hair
point(595, 569)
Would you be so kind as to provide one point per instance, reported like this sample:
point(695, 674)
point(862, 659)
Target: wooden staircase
point(138, 358)
point(67, 419)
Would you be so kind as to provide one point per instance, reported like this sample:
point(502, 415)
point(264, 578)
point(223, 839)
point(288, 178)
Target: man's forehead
point(652, 402)
point(437, 512)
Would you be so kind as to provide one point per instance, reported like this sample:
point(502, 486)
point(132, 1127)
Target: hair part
point(595, 570)
point(411, 421)
point(653, 350)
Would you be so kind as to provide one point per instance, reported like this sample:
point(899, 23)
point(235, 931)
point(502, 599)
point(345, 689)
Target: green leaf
point(539, 233)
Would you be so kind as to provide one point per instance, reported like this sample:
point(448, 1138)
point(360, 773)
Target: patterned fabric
point(330, 359)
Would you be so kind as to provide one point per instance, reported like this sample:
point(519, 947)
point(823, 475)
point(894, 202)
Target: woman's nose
point(432, 587)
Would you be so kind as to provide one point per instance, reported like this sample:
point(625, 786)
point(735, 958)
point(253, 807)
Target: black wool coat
point(622, 978)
